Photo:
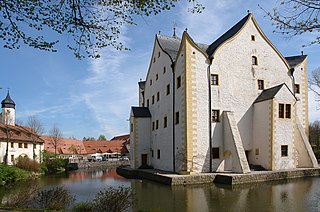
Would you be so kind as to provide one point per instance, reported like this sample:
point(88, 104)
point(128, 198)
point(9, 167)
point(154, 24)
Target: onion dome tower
point(8, 110)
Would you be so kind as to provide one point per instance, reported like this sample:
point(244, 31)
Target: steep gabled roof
point(141, 112)
point(19, 133)
point(270, 93)
point(295, 60)
point(226, 36)
point(171, 45)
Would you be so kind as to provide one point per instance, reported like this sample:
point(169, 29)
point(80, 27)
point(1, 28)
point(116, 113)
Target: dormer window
point(254, 60)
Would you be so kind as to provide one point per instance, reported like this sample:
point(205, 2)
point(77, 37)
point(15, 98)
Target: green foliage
point(25, 163)
point(12, 174)
point(102, 138)
point(114, 199)
point(83, 207)
point(51, 163)
point(91, 25)
point(57, 198)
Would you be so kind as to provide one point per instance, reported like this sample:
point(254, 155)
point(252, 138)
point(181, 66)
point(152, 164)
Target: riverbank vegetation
point(12, 174)
point(60, 199)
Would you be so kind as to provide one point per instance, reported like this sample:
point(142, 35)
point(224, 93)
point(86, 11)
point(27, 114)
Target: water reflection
point(292, 195)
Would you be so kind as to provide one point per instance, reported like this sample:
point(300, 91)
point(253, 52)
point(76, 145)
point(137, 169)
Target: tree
point(92, 25)
point(9, 133)
point(296, 17)
point(55, 137)
point(102, 138)
point(314, 134)
point(314, 83)
point(37, 129)
point(88, 139)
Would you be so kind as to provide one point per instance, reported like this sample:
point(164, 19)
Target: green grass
point(12, 174)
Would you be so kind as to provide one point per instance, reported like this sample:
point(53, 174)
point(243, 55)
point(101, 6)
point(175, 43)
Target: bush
point(51, 163)
point(28, 164)
point(11, 173)
point(57, 198)
point(83, 207)
point(113, 199)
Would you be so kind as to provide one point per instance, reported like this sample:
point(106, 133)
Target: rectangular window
point(12, 158)
point(164, 70)
point(215, 115)
point(168, 89)
point(178, 81)
point(284, 150)
point(257, 151)
point(151, 152)
point(261, 84)
point(153, 125)
point(34, 146)
point(157, 76)
point(253, 38)
point(147, 102)
point(177, 118)
point(254, 60)
point(152, 99)
point(214, 79)
point(288, 111)
point(158, 54)
point(158, 96)
point(12, 145)
point(151, 82)
point(296, 88)
point(157, 124)
point(131, 127)
point(215, 153)
point(158, 155)
point(281, 111)
point(25, 145)
point(20, 145)
point(165, 122)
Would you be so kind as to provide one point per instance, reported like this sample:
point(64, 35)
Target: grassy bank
point(12, 174)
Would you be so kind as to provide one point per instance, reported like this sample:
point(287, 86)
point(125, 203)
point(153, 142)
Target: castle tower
point(8, 111)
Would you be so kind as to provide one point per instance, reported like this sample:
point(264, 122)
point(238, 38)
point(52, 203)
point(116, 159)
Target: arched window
point(254, 60)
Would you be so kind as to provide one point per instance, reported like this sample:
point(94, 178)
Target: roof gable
point(140, 112)
point(270, 93)
point(227, 35)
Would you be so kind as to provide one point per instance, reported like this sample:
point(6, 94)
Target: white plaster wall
point(8, 116)
point(238, 77)
point(284, 132)
point(161, 138)
point(261, 134)
point(301, 78)
point(200, 111)
point(16, 151)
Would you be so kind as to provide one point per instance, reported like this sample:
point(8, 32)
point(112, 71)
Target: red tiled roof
point(113, 146)
point(19, 133)
point(65, 146)
point(121, 137)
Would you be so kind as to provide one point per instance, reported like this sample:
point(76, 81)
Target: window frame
point(178, 81)
point(254, 60)
point(215, 153)
point(176, 118)
point(215, 115)
point(284, 150)
point(25, 145)
point(214, 79)
point(260, 84)
point(281, 112)
point(20, 145)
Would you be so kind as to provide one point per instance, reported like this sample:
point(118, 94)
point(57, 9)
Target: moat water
point(301, 194)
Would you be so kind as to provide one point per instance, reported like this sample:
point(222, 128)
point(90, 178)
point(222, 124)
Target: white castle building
point(16, 140)
point(235, 104)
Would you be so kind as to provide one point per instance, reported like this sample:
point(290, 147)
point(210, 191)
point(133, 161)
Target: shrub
point(11, 173)
point(52, 164)
point(57, 198)
point(83, 207)
point(25, 163)
point(113, 199)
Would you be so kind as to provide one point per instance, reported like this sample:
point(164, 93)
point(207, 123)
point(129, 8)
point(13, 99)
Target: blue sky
point(90, 97)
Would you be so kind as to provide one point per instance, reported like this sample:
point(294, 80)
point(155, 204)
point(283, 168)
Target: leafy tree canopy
point(296, 17)
point(91, 24)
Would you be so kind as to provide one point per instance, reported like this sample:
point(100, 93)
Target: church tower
point(8, 111)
